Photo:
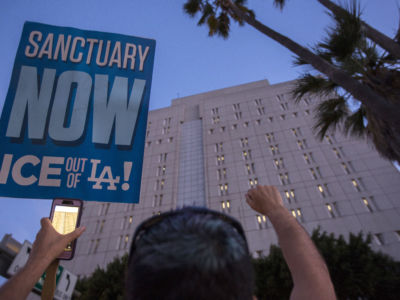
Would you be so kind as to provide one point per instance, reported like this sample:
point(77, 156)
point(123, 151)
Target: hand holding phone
point(65, 216)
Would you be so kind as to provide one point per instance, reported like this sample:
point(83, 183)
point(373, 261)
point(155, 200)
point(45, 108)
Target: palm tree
point(376, 36)
point(217, 14)
point(348, 48)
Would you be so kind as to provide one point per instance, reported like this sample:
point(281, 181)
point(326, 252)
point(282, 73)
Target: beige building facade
point(209, 149)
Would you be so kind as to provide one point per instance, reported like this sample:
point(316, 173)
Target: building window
point(126, 241)
point(162, 157)
point(214, 111)
point(234, 126)
point(307, 101)
point(284, 178)
point(261, 221)
point(283, 117)
point(369, 204)
point(148, 144)
point(159, 184)
point(215, 120)
point(253, 182)
point(220, 160)
point(306, 112)
point(284, 106)
point(270, 119)
point(96, 246)
point(157, 201)
point(322, 190)
point(315, 173)
point(238, 115)
point(244, 142)
point(246, 154)
point(245, 124)
point(329, 139)
point(289, 194)
point(167, 121)
point(302, 144)
point(236, 107)
point(119, 240)
point(269, 137)
point(296, 131)
point(280, 97)
point(278, 163)
point(356, 185)
point(378, 238)
point(219, 147)
point(165, 130)
point(274, 149)
point(337, 153)
point(295, 114)
point(258, 122)
point(211, 131)
point(221, 174)
point(261, 111)
point(101, 226)
point(332, 209)
point(130, 221)
point(250, 169)
point(258, 102)
point(222, 129)
point(397, 234)
point(345, 168)
point(308, 158)
point(226, 206)
point(223, 189)
point(161, 170)
point(297, 214)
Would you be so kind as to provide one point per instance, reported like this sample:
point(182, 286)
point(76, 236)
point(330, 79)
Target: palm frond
point(354, 124)
point(345, 36)
point(191, 7)
point(279, 3)
point(207, 11)
point(312, 85)
point(223, 25)
point(212, 23)
point(329, 114)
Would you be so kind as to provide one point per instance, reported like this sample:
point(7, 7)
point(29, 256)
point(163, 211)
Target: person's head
point(191, 253)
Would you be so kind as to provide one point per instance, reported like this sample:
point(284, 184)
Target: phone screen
point(64, 220)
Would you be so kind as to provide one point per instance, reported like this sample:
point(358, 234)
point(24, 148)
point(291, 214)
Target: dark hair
point(190, 256)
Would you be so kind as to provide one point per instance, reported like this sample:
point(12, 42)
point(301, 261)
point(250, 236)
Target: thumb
point(74, 234)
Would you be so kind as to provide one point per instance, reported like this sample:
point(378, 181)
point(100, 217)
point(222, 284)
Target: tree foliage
point(348, 48)
point(356, 270)
point(104, 284)
point(349, 64)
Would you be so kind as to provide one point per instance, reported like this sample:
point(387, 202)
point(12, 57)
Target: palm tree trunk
point(363, 93)
point(378, 37)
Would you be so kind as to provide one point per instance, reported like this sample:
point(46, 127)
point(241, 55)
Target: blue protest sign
point(74, 119)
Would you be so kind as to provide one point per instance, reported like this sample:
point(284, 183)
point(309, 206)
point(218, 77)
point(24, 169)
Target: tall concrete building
point(209, 149)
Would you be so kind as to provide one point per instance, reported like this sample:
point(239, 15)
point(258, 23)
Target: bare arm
point(310, 274)
point(47, 246)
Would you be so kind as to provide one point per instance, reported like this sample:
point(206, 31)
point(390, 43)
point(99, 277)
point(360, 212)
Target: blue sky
point(187, 61)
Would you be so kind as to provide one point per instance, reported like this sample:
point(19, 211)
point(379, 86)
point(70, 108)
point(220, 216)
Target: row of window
point(331, 209)
point(281, 99)
point(159, 141)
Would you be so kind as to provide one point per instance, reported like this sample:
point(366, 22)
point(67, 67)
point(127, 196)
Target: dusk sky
point(187, 61)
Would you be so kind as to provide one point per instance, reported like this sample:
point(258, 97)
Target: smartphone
point(65, 216)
